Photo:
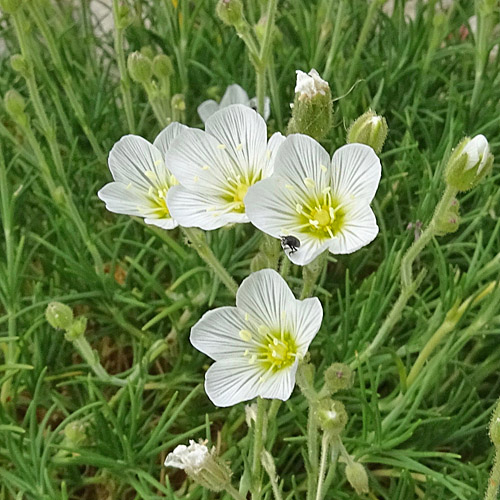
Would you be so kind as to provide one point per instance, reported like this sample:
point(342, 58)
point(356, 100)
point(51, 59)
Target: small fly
point(290, 244)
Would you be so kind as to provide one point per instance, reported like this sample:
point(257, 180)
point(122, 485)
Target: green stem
point(311, 273)
point(153, 99)
point(258, 444)
point(494, 480)
point(322, 466)
point(332, 466)
point(312, 452)
point(122, 68)
point(332, 53)
point(234, 492)
point(199, 242)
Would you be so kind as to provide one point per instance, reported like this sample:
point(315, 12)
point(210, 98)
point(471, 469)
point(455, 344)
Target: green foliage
point(65, 433)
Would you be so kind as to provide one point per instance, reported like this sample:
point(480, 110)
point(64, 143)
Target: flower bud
point(469, 163)
point(178, 102)
point(19, 65)
point(76, 329)
point(201, 465)
point(332, 416)
point(123, 17)
point(230, 12)
point(10, 6)
point(15, 104)
point(75, 433)
point(338, 377)
point(449, 221)
point(312, 108)
point(250, 414)
point(147, 52)
point(162, 66)
point(139, 67)
point(369, 129)
point(495, 426)
point(357, 477)
point(59, 315)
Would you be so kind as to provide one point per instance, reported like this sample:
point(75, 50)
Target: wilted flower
point(141, 177)
point(310, 84)
point(258, 344)
point(234, 95)
point(216, 167)
point(323, 203)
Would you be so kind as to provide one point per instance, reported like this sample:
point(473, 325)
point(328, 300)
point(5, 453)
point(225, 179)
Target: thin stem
point(332, 466)
point(332, 53)
point(312, 452)
point(153, 96)
point(311, 273)
point(200, 244)
point(258, 444)
point(234, 492)
point(322, 466)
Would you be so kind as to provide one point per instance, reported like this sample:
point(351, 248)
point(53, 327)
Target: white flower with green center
point(234, 95)
point(141, 177)
point(258, 344)
point(191, 458)
point(323, 203)
point(216, 167)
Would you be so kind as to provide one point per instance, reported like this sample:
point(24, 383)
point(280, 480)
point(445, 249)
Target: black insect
point(290, 243)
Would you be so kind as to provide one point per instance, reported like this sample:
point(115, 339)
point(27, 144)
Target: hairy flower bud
point(139, 67)
point(369, 129)
point(312, 108)
point(230, 12)
point(178, 102)
point(15, 104)
point(10, 6)
point(332, 416)
point(162, 66)
point(59, 315)
point(469, 163)
point(338, 377)
point(76, 329)
point(357, 477)
point(123, 17)
point(19, 65)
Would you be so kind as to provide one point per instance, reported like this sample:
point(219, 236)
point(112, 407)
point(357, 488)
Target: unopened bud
point(140, 67)
point(469, 163)
point(338, 377)
point(123, 17)
point(312, 108)
point(19, 65)
point(332, 416)
point(148, 52)
point(162, 66)
point(178, 102)
point(59, 315)
point(357, 477)
point(369, 129)
point(77, 328)
point(10, 6)
point(15, 104)
point(230, 12)
point(75, 433)
point(449, 221)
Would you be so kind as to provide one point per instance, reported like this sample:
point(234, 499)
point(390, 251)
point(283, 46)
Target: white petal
point(356, 171)
point(217, 333)
point(267, 106)
point(301, 157)
point(360, 229)
point(276, 140)
point(244, 133)
point(132, 157)
point(265, 295)
point(309, 249)
point(206, 109)
point(199, 163)
point(163, 223)
point(279, 385)
point(193, 209)
point(121, 200)
point(230, 381)
point(234, 95)
point(307, 319)
point(167, 135)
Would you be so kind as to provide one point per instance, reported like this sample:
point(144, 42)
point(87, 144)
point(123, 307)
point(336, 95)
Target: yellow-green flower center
point(159, 202)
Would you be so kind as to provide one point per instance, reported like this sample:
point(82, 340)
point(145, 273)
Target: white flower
point(477, 150)
point(258, 344)
point(324, 204)
point(191, 458)
point(216, 167)
point(141, 178)
point(234, 95)
point(310, 84)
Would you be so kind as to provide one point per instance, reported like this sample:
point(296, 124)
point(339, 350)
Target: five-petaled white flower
point(191, 458)
point(216, 167)
point(258, 344)
point(234, 95)
point(323, 203)
point(141, 177)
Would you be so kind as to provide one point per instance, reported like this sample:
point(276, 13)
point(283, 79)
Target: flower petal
point(217, 333)
point(121, 200)
point(279, 385)
point(196, 209)
point(307, 319)
point(309, 249)
point(206, 109)
point(265, 296)
point(167, 135)
point(360, 228)
point(301, 157)
point(234, 94)
point(134, 160)
point(244, 133)
point(267, 106)
point(163, 223)
point(356, 172)
point(276, 140)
